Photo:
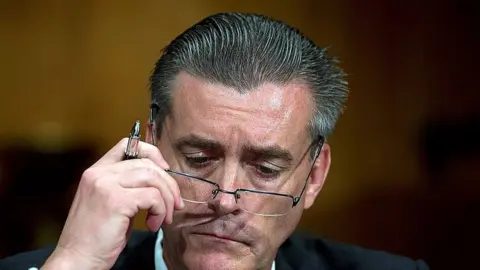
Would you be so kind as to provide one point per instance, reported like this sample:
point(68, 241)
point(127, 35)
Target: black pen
point(131, 152)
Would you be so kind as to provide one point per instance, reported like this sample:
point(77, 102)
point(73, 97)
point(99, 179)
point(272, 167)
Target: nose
point(224, 199)
point(224, 202)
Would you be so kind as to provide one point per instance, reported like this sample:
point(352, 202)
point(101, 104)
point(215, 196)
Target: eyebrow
point(264, 152)
point(269, 152)
point(196, 141)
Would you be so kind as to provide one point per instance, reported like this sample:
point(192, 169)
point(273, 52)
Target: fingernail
point(165, 165)
point(182, 204)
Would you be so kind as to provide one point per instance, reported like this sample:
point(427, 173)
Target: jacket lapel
point(139, 253)
point(291, 256)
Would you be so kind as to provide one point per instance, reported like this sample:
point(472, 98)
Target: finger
point(174, 189)
point(117, 154)
point(149, 178)
point(144, 173)
point(150, 199)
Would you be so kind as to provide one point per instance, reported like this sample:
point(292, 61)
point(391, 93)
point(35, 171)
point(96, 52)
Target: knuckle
point(169, 195)
point(151, 198)
point(134, 164)
point(93, 181)
point(176, 188)
point(153, 151)
point(155, 195)
point(146, 173)
point(97, 187)
point(123, 142)
point(150, 148)
point(89, 177)
point(146, 162)
point(168, 199)
point(143, 164)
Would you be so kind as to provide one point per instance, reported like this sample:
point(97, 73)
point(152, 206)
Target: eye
point(198, 161)
point(267, 172)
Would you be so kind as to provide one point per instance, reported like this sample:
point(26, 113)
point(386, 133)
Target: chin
point(215, 260)
point(208, 253)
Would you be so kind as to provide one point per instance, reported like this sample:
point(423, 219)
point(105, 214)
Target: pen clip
point(131, 151)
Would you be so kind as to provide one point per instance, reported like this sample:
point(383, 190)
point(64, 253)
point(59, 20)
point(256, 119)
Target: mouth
point(220, 238)
point(226, 233)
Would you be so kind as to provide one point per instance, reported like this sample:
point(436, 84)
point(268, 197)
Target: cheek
point(275, 230)
point(288, 223)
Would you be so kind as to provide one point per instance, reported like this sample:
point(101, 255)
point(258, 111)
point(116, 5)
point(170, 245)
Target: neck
point(175, 264)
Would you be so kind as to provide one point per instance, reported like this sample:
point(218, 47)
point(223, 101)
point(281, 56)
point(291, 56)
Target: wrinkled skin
point(269, 115)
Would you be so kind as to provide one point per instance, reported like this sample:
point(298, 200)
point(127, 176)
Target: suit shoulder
point(25, 260)
point(36, 258)
point(344, 256)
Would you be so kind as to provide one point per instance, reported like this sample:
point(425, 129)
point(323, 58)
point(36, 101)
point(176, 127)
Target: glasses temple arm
point(317, 154)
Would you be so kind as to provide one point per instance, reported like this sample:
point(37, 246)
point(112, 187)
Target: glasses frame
point(319, 142)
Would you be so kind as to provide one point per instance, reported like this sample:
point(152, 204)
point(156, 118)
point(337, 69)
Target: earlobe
point(317, 176)
point(148, 134)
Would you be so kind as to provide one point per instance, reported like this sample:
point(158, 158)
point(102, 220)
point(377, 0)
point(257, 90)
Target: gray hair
point(243, 51)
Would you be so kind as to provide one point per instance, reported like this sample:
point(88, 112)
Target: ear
point(148, 134)
point(317, 176)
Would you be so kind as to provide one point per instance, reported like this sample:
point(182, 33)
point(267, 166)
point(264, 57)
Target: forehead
point(268, 114)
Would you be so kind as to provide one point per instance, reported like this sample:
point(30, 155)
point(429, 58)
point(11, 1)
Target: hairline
point(300, 81)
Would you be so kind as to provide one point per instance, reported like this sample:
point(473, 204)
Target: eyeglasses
point(199, 190)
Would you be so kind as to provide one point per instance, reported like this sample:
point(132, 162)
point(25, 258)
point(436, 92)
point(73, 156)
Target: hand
point(109, 195)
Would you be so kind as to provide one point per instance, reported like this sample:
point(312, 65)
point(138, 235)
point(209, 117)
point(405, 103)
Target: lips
point(222, 237)
point(224, 229)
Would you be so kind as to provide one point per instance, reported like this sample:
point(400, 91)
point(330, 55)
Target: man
point(242, 106)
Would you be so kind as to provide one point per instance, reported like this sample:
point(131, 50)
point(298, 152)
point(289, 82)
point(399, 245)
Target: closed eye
point(198, 161)
point(266, 172)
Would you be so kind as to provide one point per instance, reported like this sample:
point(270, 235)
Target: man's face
point(219, 134)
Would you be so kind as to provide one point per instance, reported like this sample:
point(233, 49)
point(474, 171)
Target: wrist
point(58, 263)
point(68, 260)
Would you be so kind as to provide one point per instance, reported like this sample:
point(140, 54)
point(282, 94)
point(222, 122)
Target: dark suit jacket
point(299, 252)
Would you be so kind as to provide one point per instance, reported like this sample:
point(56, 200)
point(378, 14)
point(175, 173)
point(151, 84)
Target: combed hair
point(244, 51)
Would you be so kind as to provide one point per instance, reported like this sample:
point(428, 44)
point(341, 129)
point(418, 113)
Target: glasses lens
point(264, 204)
point(194, 190)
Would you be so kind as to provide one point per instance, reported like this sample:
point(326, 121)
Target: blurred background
point(405, 176)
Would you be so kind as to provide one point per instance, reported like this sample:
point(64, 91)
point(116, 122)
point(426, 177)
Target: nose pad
point(235, 195)
point(225, 202)
point(225, 199)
